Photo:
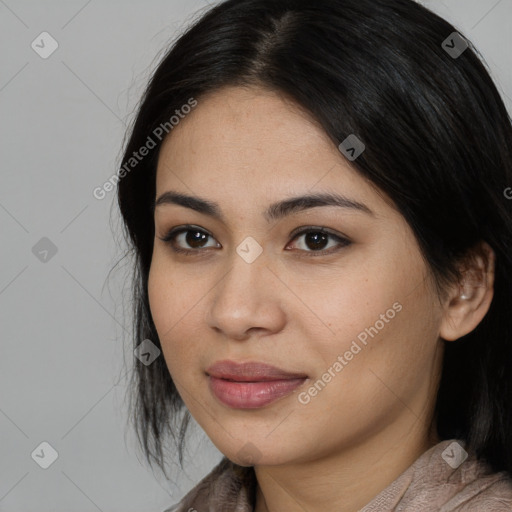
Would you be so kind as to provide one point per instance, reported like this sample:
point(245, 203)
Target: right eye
point(190, 235)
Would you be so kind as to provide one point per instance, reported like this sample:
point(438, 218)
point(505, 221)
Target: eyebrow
point(274, 212)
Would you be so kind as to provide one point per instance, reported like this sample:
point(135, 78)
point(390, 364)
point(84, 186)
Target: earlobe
point(471, 299)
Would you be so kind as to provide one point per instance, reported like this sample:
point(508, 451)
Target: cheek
point(170, 298)
point(343, 307)
point(380, 320)
point(164, 307)
point(160, 296)
point(382, 354)
point(174, 307)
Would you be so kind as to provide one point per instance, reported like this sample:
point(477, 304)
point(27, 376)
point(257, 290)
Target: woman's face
point(351, 313)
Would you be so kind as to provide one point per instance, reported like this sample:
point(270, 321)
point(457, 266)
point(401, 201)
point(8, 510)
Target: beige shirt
point(443, 479)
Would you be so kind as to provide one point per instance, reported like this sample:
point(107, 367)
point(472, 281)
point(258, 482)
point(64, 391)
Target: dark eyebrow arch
point(274, 212)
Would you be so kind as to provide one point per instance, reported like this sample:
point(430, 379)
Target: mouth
point(251, 385)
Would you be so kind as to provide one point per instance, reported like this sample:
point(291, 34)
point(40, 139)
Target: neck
point(346, 480)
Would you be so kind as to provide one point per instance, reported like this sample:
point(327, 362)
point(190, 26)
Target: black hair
point(438, 142)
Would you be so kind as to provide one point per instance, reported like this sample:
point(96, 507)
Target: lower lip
point(251, 395)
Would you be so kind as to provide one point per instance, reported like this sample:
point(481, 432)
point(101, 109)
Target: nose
point(249, 298)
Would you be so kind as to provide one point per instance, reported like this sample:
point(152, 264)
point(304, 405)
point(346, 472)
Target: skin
point(245, 148)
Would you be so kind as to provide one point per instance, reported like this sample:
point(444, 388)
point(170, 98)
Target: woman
point(315, 196)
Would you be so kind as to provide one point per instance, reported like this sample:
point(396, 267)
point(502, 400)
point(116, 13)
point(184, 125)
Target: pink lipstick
point(251, 385)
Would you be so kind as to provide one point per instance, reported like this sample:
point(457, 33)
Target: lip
point(252, 384)
point(251, 371)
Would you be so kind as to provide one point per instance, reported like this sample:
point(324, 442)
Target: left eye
point(315, 240)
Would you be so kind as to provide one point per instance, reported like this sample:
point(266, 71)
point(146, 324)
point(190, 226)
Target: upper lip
point(252, 371)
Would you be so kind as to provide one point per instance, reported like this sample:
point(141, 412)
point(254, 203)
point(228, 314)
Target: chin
point(250, 453)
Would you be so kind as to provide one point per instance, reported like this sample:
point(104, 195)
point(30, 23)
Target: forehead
point(242, 122)
point(255, 144)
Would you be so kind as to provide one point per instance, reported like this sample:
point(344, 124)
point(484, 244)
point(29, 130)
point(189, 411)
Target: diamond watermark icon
point(351, 147)
point(455, 45)
point(45, 455)
point(249, 454)
point(249, 249)
point(44, 250)
point(147, 352)
point(44, 45)
point(454, 455)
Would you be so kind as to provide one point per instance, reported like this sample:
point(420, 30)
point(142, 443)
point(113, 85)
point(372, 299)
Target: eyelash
point(169, 238)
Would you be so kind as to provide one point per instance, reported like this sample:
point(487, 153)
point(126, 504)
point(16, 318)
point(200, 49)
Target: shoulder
point(471, 486)
point(489, 493)
point(446, 478)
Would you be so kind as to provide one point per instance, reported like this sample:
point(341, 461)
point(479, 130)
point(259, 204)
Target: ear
point(469, 301)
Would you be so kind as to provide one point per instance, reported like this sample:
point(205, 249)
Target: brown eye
point(191, 240)
point(316, 240)
point(192, 237)
point(195, 239)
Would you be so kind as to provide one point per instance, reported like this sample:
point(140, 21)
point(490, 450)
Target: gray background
point(63, 324)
